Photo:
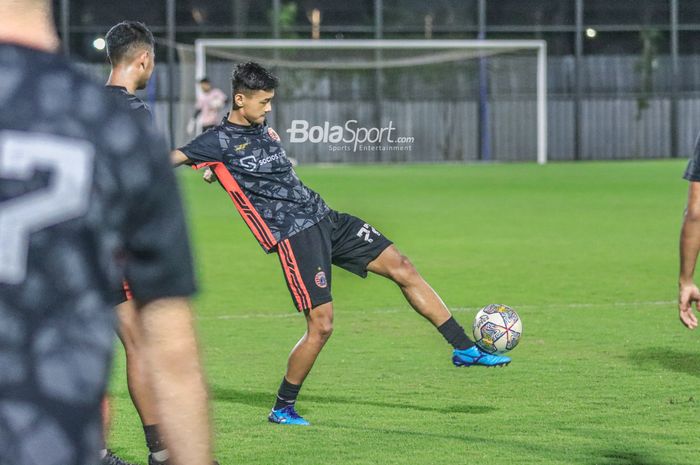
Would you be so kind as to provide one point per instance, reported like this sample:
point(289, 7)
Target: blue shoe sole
point(286, 424)
point(459, 363)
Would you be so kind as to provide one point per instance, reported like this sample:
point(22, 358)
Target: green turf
point(587, 253)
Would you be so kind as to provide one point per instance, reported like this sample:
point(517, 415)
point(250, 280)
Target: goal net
point(361, 101)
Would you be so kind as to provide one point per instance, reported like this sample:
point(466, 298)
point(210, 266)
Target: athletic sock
point(454, 334)
point(155, 444)
point(287, 394)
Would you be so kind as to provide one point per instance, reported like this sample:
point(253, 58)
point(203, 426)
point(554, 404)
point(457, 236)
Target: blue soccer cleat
point(475, 356)
point(286, 416)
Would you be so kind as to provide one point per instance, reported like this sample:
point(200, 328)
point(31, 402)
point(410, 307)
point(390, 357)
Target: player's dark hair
point(204, 79)
point(249, 77)
point(124, 37)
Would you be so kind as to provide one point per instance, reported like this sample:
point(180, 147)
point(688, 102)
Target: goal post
point(515, 89)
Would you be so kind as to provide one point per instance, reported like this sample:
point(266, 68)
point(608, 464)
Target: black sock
point(153, 440)
point(287, 394)
point(455, 335)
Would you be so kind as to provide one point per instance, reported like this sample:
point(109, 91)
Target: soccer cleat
point(112, 459)
point(475, 356)
point(286, 416)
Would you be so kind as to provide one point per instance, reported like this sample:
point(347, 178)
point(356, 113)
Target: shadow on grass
point(627, 458)
point(668, 359)
point(266, 399)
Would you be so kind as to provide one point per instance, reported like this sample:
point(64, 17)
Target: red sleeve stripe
point(245, 208)
point(293, 277)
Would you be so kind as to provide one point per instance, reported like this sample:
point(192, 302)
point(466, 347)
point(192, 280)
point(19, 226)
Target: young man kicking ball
point(292, 220)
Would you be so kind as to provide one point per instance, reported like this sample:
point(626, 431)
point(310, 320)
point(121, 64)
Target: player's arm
point(178, 158)
point(205, 148)
point(689, 249)
point(170, 349)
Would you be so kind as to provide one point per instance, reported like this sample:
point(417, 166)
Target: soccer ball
point(497, 329)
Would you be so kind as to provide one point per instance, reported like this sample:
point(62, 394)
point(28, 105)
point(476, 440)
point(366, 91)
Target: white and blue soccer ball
point(497, 329)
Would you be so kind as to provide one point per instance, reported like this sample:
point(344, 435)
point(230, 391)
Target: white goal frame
point(539, 46)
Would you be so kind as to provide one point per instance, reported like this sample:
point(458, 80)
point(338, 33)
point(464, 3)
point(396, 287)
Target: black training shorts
point(341, 239)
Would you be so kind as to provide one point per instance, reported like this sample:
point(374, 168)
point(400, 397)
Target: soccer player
point(78, 211)
point(290, 219)
point(689, 294)
point(130, 48)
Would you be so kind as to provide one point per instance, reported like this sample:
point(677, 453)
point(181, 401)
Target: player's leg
point(424, 300)
point(395, 266)
point(305, 260)
point(107, 457)
point(359, 248)
point(319, 327)
point(138, 382)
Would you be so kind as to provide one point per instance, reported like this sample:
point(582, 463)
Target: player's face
point(256, 105)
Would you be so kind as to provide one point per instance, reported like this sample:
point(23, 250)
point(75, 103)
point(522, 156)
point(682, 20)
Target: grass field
point(587, 253)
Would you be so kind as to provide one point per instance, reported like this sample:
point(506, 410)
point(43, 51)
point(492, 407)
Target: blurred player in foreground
point(70, 205)
point(689, 294)
point(292, 220)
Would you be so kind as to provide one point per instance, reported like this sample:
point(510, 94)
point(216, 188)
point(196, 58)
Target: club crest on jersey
point(273, 134)
point(320, 279)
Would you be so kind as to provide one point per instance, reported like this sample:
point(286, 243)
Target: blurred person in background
point(210, 103)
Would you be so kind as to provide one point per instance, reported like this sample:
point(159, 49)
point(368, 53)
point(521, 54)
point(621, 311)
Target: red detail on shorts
point(127, 290)
point(250, 215)
point(293, 277)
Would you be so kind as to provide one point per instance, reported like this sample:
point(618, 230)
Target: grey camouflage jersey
point(254, 169)
point(76, 192)
point(137, 106)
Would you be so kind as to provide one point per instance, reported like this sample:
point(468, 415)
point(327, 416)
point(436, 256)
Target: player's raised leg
point(319, 327)
point(424, 300)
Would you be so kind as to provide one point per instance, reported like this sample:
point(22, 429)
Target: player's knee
point(321, 329)
point(404, 272)
point(324, 330)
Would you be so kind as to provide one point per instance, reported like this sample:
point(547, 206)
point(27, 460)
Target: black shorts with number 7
point(339, 239)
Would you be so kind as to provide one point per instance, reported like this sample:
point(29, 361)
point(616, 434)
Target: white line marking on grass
point(292, 314)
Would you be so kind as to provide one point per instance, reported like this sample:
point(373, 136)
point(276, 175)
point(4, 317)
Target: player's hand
point(688, 294)
point(209, 176)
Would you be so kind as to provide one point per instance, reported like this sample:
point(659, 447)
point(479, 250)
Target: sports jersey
point(252, 166)
point(76, 191)
point(137, 105)
point(138, 108)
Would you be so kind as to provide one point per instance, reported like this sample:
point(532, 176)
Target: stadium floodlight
point(467, 89)
point(99, 43)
